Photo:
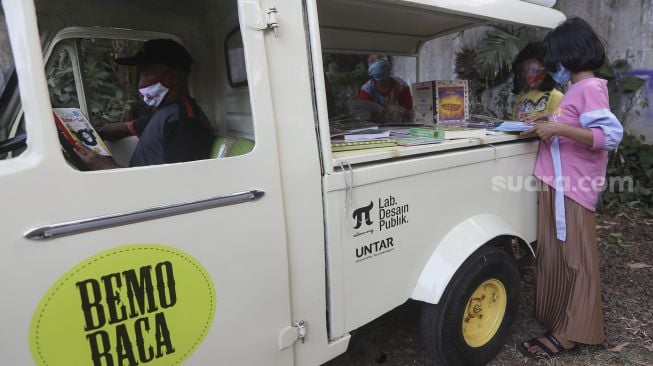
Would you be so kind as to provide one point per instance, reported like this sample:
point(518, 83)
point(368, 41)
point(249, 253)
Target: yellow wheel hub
point(484, 312)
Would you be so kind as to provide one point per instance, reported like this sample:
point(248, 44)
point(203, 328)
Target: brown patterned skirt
point(568, 284)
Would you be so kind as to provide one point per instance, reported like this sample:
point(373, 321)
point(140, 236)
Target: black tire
point(442, 324)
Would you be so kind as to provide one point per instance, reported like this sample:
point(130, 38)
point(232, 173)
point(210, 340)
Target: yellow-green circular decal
point(131, 305)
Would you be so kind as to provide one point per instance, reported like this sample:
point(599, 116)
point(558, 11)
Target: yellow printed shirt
point(535, 102)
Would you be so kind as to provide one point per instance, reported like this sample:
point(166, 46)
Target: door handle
point(53, 231)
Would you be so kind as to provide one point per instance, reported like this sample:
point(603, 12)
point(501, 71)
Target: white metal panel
point(454, 249)
point(436, 192)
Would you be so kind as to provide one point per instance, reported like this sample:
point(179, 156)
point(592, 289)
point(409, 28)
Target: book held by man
point(75, 127)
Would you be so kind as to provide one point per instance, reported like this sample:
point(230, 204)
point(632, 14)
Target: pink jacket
point(574, 169)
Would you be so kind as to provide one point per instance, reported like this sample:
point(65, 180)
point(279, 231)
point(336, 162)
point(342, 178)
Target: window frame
point(239, 84)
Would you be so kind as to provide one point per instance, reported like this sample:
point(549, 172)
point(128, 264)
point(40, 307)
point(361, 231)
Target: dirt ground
point(626, 257)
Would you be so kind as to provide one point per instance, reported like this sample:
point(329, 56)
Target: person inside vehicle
point(178, 130)
point(391, 94)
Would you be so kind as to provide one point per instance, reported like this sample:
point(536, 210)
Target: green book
point(424, 132)
point(358, 145)
point(449, 133)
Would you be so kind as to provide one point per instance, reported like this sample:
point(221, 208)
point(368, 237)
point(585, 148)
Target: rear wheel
point(474, 315)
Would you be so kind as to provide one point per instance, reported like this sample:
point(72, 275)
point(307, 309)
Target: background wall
point(625, 25)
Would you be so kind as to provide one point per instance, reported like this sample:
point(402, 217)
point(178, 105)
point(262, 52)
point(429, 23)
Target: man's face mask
point(534, 74)
point(380, 70)
point(562, 75)
point(154, 94)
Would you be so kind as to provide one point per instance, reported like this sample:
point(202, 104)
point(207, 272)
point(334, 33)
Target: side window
point(236, 73)
point(97, 103)
point(12, 137)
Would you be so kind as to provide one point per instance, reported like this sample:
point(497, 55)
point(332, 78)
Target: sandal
point(546, 351)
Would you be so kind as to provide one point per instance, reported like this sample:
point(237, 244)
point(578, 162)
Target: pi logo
point(363, 213)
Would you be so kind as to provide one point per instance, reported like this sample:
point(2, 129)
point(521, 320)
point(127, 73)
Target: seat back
point(224, 147)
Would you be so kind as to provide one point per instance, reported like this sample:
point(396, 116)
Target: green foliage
point(61, 81)
point(633, 161)
point(110, 90)
point(490, 63)
point(497, 53)
point(345, 74)
point(622, 89)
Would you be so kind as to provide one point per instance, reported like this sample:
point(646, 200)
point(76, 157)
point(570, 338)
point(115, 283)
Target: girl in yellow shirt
point(535, 89)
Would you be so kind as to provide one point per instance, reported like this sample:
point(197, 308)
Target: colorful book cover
point(452, 101)
point(74, 125)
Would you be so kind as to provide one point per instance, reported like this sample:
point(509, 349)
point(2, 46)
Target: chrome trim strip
point(127, 218)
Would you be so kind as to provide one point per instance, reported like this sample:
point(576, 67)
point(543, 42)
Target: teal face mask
point(380, 70)
point(562, 75)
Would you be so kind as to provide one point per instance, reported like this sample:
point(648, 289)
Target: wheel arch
point(456, 246)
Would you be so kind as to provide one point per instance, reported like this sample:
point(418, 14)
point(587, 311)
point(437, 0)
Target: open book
point(76, 128)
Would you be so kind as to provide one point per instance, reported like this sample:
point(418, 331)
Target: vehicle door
point(168, 264)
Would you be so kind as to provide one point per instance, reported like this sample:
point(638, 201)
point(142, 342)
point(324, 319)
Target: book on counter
point(367, 134)
point(424, 102)
point(513, 126)
point(76, 128)
point(358, 145)
point(416, 140)
point(452, 101)
point(449, 133)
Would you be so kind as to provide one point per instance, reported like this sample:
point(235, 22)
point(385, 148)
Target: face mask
point(534, 75)
point(154, 94)
point(380, 70)
point(562, 76)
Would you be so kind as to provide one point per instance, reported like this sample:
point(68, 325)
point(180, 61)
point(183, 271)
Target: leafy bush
point(345, 74)
point(110, 90)
point(633, 160)
point(634, 157)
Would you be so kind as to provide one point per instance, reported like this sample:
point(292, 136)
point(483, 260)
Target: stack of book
point(449, 133)
point(356, 135)
point(340, 145)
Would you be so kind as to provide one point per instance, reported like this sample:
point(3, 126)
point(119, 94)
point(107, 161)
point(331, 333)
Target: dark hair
point(533, 50)
point(575, 45)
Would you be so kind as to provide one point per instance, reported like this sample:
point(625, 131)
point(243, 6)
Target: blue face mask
point(562, 75)
point(380, 70)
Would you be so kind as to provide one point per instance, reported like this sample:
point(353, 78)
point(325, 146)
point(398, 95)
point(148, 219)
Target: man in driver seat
point(178, 130)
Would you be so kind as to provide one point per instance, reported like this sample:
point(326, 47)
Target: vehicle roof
point(402, 26)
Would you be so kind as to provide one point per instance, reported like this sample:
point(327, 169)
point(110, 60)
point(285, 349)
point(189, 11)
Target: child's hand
point(543, 130)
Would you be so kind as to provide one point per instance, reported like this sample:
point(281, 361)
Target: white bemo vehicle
point(271, 255)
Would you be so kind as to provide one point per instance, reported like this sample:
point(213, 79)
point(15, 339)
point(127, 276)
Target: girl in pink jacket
point(571, 165)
